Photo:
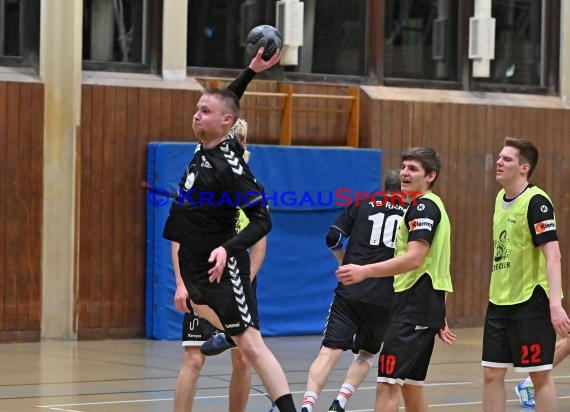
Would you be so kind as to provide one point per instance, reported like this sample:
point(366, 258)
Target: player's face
point(509, 168)
point(413, 177)
point(210, 120)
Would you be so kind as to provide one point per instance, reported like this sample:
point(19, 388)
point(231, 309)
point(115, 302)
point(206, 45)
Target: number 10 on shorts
point(386, 364)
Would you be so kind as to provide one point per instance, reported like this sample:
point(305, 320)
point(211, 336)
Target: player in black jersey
point(359, 313)
point(196, 331)
point(213, 258)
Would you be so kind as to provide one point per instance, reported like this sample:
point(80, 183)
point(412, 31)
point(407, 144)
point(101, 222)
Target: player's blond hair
point(239, 130)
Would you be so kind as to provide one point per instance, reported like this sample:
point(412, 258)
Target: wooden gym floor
point(139, 375)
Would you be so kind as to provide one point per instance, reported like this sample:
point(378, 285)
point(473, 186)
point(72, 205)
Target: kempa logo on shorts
point(544, 226)
point(421, 224)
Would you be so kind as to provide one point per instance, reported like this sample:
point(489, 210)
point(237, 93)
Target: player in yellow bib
point(422, 278)
point(525, 310)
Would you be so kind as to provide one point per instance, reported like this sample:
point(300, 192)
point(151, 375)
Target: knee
point(364, 357)
point(541, 379)
point(493, 375)
point(193, 359)
point(239, 363)
point(249, 351)
point(387, 390)
point(329, 355)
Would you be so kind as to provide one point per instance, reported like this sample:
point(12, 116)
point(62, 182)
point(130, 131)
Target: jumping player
point(214, 261)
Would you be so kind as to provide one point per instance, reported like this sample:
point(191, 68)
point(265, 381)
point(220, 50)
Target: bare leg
point(562, 350)
point(240, 382)
point(206, 312)
point(414, 398)
point(263, 361)
point(387, 397)
point(321, 368)
point(544, 391)
point(187, 378)
point(357, 371)
point(494, 395)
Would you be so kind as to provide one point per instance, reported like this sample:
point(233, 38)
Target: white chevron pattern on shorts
point(239, 296)
point(232, 159)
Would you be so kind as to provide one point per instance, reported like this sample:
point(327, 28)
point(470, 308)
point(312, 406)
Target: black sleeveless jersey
point(371, 228)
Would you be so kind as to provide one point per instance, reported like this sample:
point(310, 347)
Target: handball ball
point(263, 36)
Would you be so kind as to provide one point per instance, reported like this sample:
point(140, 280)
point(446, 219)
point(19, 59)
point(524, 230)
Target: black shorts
point(520, 335)
point(355, 325)
point(233, 299)
point(406, 353)
point(195, 330)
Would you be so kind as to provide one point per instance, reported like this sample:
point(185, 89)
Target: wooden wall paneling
point(86, 313)
point(24, 265)
point(109, 225)
point(302, 124)
point(154, 114)
point(96, 224)
point(189, 106)
point(165, 114)
point(365, 127)
point(450, 172)
point(516, 118)
point(143, 136)
point(384, 119)
point(133, 197)
point(12, 206)
point(481, 222)
point(473, 175)
point(3, 201)
point(461, 205)
point(36, 218)
point(490, 190)
point(177, 114)
point(120, 208)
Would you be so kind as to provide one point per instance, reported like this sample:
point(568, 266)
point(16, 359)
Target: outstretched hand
point(219, 256)
point(259, 65)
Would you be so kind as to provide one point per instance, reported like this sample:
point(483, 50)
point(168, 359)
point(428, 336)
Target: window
point(415, 43)
point(217, 30)
point(420, 39)
point(10, 24)
point(519, 50)
point(334, 38)
point(334, 34)
point(119, 34)
point(19, 32)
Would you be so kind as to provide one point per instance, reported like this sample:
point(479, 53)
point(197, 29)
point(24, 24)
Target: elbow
point(415, 262)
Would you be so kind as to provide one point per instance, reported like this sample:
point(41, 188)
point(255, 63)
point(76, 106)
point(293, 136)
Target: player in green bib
point(525, 310)
point(421, 266)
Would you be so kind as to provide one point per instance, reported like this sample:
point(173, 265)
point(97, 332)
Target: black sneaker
point(216, 345)
point(335, 407)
